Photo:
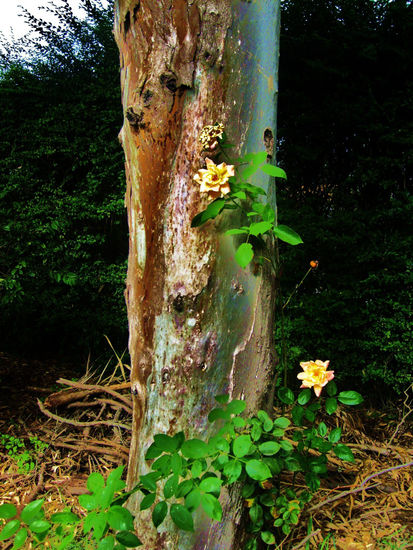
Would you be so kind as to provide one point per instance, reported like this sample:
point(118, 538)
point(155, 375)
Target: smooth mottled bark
point(199, 325)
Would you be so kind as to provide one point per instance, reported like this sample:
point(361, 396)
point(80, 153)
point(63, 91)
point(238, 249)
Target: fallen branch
point(307, 538)
point(361, 487)
point(35, 491)
point(64, 397)
point(81, 424)
point(91, 448)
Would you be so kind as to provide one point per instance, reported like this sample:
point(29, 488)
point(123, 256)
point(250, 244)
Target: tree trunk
point(199, 325)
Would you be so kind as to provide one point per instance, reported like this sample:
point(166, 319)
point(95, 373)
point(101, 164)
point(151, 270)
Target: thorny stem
point(283, 343)
point(297, 286)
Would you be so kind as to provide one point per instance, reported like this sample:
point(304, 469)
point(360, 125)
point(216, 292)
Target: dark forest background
point(345, 135)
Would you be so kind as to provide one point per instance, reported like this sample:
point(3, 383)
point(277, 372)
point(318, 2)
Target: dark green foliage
point(346, 135)
point(63, 237)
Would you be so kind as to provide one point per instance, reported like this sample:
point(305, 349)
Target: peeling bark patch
point(135, 11)
point(169, 81)
point(126, 24)
point(268, 139)
point(178, 304)
point(135, 118)
point(147, 97)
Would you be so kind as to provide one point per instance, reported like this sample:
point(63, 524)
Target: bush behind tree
point(346, 135)
point(64, 234)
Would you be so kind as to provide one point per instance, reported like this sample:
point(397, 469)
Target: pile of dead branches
point(90, 417)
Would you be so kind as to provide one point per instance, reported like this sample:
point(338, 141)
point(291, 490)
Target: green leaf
point(268, 537)
point(236, 231)
point(211, 506)
point(107, 543)
point(232, 470)
point(255, 158)
point(31, 510)
point(309, 414)
point(176, 463)
point(257, 470)
point(285, 395)
point(256, 514)
point(292, 464)
point(40, 526)
point(322, 429)
point(7, 511)
point(128, 539)
point(119, 518)
point(148, 481)
point(238, 422)
point(20, 538)
point(239, 195)
point(256, 432)
point(260, 228)
point(286, 446)
point(182, 517)
point(193, 500)
point(331, 388)
point(222, 399)
point(304, 396)
point(147, 501)
point(343, 452)
point(196, 468)
point(211, 485)
point(252, 544)
point(286, 529)
point(244, 255)
point(269, 448)
point(211, 212)
point(331, 405)
point(282, 422)
point(335, 435)
point(241, 445)
point(95, 521)
point(184, 488)
point(166, 443)
point(170, 486)
point(159, 513)
point(179, 438)
point(153, 452)
point(350, 398)
point(195, 448)
point(297, 415)
point(249, 171)
point(313, 481)
point(265, 419)
point(218, 414)
point(163, 464)
point(287, 235)
point(65, 518)
point(95, 482)
point(267, 499)
point(105, 497)
point(114, 480)
point(274, 465)
point(10, 529)
point(273, 171)
point(66, 541)
point(237, 406)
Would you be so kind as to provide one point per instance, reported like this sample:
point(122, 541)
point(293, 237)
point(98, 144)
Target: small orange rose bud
point(314, 264)
point(266, 484)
